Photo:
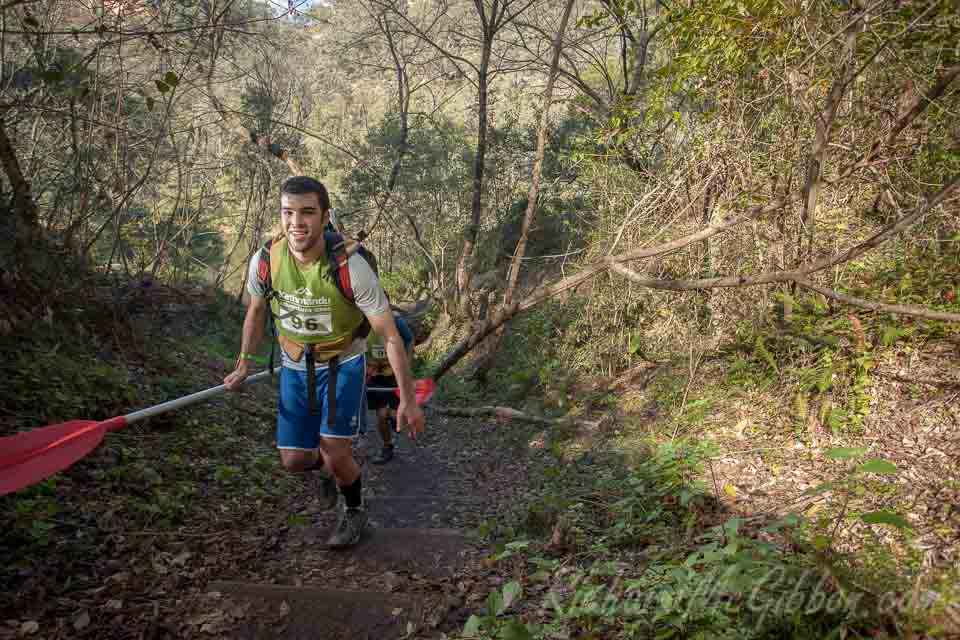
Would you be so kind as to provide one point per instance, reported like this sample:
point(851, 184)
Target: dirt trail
point(404, 580)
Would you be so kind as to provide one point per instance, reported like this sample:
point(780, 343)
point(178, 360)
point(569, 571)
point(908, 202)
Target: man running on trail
point(379, 376)
point(322, 336)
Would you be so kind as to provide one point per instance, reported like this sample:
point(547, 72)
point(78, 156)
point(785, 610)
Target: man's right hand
point(238, 375)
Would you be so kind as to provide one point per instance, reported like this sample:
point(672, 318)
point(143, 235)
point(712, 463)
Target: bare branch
point(485, 328)
point(534, 192)
point(102, 30)
point(416, 31)
point(898, 309)
point(800, 272)
point(15, 3)
point(818, 154)
point(915, 108)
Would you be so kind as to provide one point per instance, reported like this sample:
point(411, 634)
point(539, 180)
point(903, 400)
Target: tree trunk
point(24, 209)
point(509, 413)
point(811, 189)
point(534, 194)
point(706, 269)
point(464, 268)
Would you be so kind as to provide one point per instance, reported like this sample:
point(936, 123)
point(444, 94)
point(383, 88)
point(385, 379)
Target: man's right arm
point(250, 341)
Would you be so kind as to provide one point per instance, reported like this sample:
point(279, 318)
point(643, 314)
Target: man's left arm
point(384, 325)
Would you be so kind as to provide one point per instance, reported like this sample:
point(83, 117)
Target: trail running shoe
point(385, 455)
point(349, 529)
point(327, 493)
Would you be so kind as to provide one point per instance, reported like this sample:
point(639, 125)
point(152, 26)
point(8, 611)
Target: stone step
point(280, 612)
point(434, 552)
point(406, 511)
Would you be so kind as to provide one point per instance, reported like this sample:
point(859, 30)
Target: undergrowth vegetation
point(647, 551)
point(136, 510)
point(753, 486)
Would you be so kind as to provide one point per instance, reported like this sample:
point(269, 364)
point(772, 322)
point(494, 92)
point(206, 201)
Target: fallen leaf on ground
point(81, 621)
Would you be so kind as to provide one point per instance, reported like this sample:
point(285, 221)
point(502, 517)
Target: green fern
point(765, 355)
point(800, 408)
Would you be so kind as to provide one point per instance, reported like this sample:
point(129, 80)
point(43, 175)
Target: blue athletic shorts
point(297, 429)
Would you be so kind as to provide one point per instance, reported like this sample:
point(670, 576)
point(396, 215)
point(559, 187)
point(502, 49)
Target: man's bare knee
point(339, 454)
point(336, 448)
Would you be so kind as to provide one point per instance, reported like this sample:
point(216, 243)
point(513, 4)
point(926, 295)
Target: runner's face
point(303, 221)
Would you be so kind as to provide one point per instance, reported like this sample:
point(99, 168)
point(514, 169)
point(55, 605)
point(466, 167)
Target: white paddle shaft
point(193, 398)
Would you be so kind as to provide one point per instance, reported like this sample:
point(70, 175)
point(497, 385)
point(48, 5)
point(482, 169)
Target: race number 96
point(315, 324)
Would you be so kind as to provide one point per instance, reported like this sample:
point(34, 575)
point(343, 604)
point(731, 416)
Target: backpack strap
point(269, 262)
point(264, 275)
point(338, 260)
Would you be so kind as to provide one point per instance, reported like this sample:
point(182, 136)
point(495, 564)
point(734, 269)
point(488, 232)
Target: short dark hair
point(299, 185)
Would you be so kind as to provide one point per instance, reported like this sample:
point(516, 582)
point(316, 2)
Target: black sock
point(352, 494)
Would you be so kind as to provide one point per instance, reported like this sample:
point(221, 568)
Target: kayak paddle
point(31, 456)
point(423, 390)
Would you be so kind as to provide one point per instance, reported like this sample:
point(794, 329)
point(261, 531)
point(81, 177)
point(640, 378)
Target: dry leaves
point(81, 621)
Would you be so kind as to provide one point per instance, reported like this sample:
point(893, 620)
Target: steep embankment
point(793, 479)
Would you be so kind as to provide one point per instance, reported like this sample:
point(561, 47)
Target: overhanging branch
point(899, 309)
point(914, 109)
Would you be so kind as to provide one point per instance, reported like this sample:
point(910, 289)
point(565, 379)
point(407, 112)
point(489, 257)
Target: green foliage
point(492, 624)
point(225, 474)
point(169, 82)
point(885, 517)
point(538, 360)
point(728, 36)
point(819, 353)
point(44, 386)
point(849, 486)
point(878, 465)
point(702, 575)
point(216, 331)
point(765, 355)
point(459, 391)
point(402, 281)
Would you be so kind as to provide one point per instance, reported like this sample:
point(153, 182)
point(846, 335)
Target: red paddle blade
point(29, 457)
point(423, 390)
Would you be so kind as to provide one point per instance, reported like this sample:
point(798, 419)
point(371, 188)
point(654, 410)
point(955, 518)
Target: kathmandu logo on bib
point(303, 291)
